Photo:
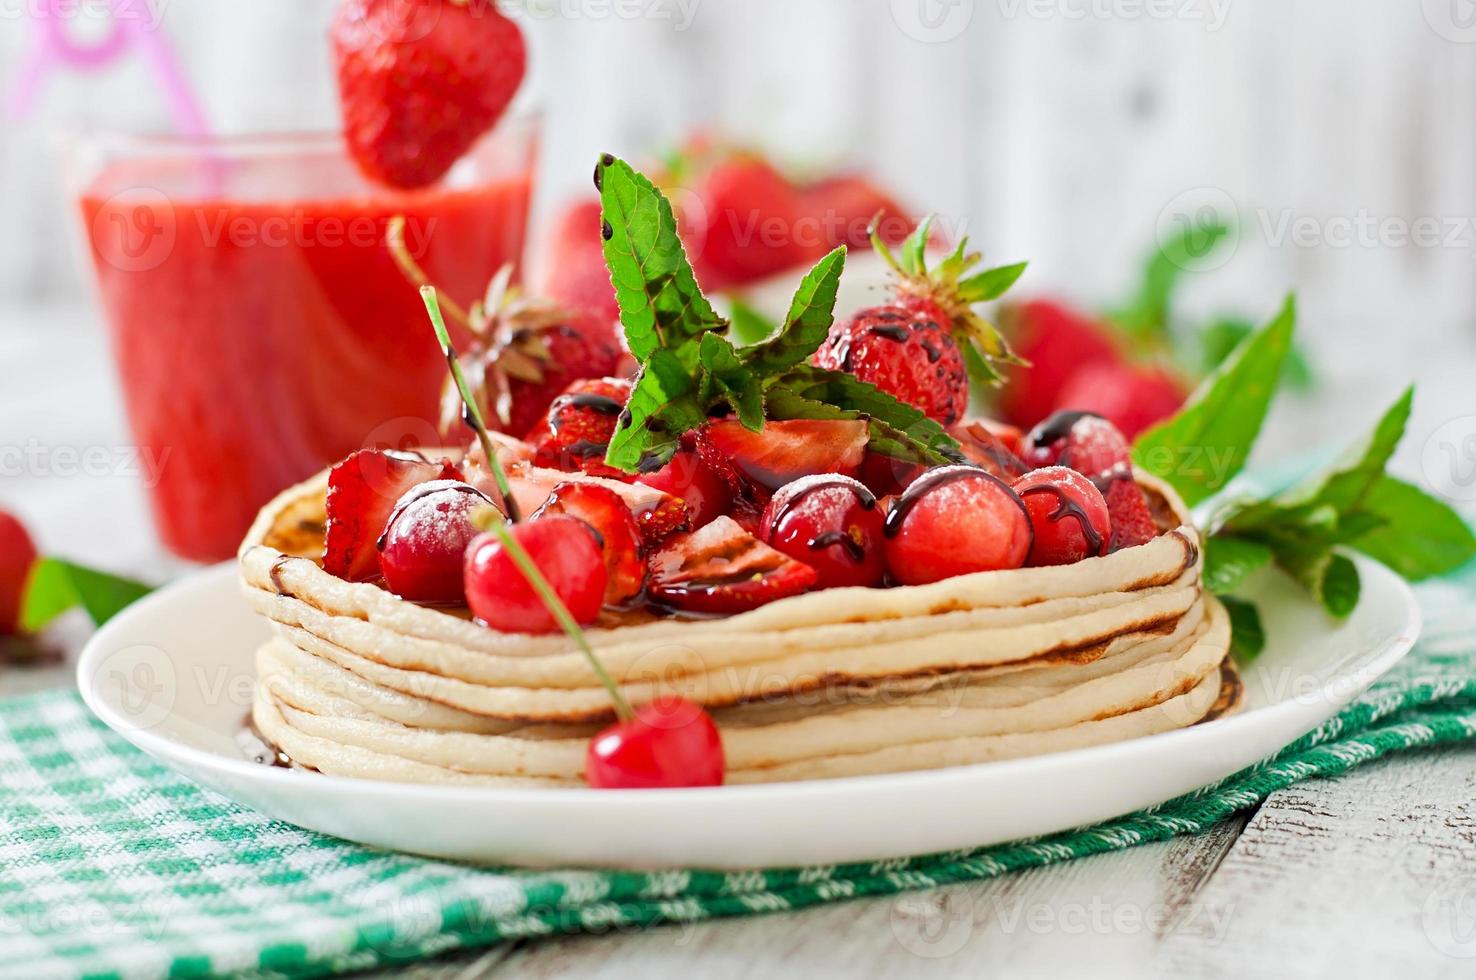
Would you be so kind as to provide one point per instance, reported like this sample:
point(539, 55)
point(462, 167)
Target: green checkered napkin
point(113, 865)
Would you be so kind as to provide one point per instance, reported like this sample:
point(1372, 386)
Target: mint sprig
point(1306, 529)
point(690, 370)
point(55, 586)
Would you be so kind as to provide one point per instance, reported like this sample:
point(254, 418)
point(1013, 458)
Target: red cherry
point(1087, 443)
point(620, 539)
point(1068, 513)
point(669, 743)
point(567, 553)
point(17, 555)
point(955, 520)
point(424, 541)
point(831, 523)
point(688, 476)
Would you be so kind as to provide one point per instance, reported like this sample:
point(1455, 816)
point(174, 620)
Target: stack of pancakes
point(842, 682)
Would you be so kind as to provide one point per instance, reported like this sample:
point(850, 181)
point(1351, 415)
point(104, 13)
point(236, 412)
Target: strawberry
point(905, 351)
point(604, 510)
point(1129, 514)
point(915, 347)
point(1087, 443)
point(981, 444)
point(723, 569)
point(657, 514)
point(701, 487)
point(782, 451)
point(741, 223)
point(576, 431)
point(526, 351)
point(17, 555)
point(419, 81)
point(1131, 397)
point(362, 493)
point(574, 272)
point(845, 207)
point(1055, 342)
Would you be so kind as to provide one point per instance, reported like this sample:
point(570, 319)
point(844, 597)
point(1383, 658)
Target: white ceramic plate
point(173, 675)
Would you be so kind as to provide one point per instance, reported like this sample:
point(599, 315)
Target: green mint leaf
point(990, 284)
point(1146, 317)
point(1247, 635)
point(910, 443)
point(850, 393)
point(1218, 340)
point(1419, 537)
point(1340, 586)
point(660, 304)
point(731, 380)
point(663, 404)
point(1230, 560)
point(808, 322)
point(1362, 466)
point(55, 586)
point(1201, 448)
point(749, 326)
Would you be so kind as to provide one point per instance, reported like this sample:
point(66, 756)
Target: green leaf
point(1340, 586)
point(990, 284)
point(55, 586)
point(749, 326)
point(1201, 448)
point(848, 392)
point(1229, 560)
point(663, 404)
point(1219, 339)
point(891, 434)
point(808, 322)
point(660, 304)
point(1146, 317)
point(1419, 537)
point(733, 380)
point(1247, 635)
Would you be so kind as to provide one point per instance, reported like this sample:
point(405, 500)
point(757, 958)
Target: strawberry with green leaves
point(923, 345)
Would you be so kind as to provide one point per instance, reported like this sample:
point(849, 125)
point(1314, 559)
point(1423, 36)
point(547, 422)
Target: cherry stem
point(394, 240)
point(473, 413)
point(488, 521)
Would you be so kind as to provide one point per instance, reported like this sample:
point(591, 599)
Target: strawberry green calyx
point(955, 288)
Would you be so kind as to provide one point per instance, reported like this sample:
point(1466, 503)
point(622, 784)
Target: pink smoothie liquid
point(261, 328)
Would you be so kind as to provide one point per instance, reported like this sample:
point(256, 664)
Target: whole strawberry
point(916, 346)
point(574, 272)
point(1058, 343)
point(905, 350)
point(420, 81)
point(525, 353)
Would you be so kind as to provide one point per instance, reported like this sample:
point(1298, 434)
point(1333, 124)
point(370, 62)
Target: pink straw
point(54, 48)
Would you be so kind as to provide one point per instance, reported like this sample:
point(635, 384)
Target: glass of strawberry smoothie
point(261, 328)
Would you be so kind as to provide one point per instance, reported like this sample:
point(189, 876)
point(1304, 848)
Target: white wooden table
point(1371, 874)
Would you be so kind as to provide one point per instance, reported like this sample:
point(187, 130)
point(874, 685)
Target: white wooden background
point(1063, 131)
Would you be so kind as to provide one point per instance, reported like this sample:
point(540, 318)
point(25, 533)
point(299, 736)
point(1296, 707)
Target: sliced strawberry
point(620, 539)
point(362, 491)
point(782, 452)
point(1131, 518)
point(576, 432)
point(657, 514)
point(982, 446)
point(723, 569)
point(702, 488)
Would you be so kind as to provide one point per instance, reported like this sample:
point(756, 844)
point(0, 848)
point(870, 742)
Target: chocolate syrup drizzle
point(1066, 507)
point(933, 479)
